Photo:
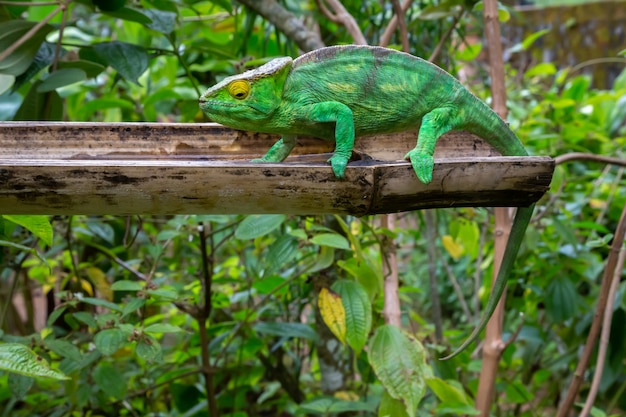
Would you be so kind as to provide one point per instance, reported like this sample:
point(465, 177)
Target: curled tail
point(484, 122)
point(522, 219)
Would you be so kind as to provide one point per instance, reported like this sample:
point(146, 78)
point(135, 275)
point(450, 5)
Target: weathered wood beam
point(150, 168)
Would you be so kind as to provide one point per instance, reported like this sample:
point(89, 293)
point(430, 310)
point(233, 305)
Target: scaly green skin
point(342, 92)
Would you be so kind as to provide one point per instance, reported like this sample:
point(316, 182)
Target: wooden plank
point(71, 168)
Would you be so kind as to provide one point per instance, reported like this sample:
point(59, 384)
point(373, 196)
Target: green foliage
point(166, 315)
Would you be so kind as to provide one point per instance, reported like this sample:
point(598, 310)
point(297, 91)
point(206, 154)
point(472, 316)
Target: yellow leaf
point(347, 395)
point(99, 279)
point(596, 203)
point(333, 313)
point(454, 248)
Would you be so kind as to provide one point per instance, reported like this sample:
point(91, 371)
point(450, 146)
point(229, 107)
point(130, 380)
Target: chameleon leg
point(280, 150)
point(333, 111)
point(434, 124)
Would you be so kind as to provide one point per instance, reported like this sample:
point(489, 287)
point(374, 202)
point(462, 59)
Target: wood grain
point(150, 168)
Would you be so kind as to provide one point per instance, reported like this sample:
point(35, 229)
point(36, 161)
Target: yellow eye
point(239, 89)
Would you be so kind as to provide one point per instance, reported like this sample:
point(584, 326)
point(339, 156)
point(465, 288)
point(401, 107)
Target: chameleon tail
point(484, 122)
point(522, 219)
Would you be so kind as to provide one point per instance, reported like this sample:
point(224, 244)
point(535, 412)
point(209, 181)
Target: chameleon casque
point(342, 92)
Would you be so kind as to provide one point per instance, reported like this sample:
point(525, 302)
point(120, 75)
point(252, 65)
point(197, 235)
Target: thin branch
point(205, 311)
point(404, 34)
point(446, 36)
point(393, 24)
point(31, 32)
point(391, 309)
point(579, 156)
point(609, 270)
point(286, 22)
point(341, 16)
point(431, 236)
point(457, 290)
point(493, 345)
point(604, 336)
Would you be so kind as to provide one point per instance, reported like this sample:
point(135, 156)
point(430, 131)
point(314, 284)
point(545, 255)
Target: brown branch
point(286, 22)
point(391, 309)
point(493, 345)
point(205, 312)
point(431, 236)
point(579, 156)
point(404, 34)
point(393, 24)
point(592, 337)
point(446, 36)
point(341, 16)
point(31, 32)
point(604, 336)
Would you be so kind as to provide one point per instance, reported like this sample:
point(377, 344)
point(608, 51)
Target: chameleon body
point(342, 92)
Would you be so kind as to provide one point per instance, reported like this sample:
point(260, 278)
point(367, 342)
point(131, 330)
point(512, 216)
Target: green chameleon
point(341, 92)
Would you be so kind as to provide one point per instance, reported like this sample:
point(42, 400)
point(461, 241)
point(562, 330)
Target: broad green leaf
point(281, 253)
point(44, 57)
point(333, 313)
point(370, 278)
point(64, 349)
point(38, 225)
point(333, 240)
point(109, 341)
point(19, 359)
point(101, 303)
point(325, 405)
point(148, 348)
point(109, 5)
point(561, 299)
point(10, 32)
point(358, 313)
point(162, 328)
point(528, 41)
point(6, 82)
point(399, 362)
point(129, 60)
point(300, 330)
point(133, 305)
point(517, 393)
point(40, 106)
point(390, 407)
point(126, 285)
point(86, 318)
point(162, 21)
point(90, 68)
point(542, 69)
point(61, 78)
point(258, 225)
point(446, 392)
point(110, 380)
point(130, 14)
point(20, 385)
point(100, 104)
point(469, 52)
point(325, 258)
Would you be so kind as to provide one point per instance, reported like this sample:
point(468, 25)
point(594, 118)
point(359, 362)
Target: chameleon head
point(244, 101)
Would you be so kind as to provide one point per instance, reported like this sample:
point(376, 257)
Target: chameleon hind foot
point(423, 164)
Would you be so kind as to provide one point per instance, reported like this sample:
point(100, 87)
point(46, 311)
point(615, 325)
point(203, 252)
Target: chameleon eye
point(239, 89)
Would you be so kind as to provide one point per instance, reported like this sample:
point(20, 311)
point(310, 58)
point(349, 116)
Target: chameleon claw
point(423, 165)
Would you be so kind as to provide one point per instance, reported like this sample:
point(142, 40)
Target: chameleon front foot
point(338, 163)
point(423, 165)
